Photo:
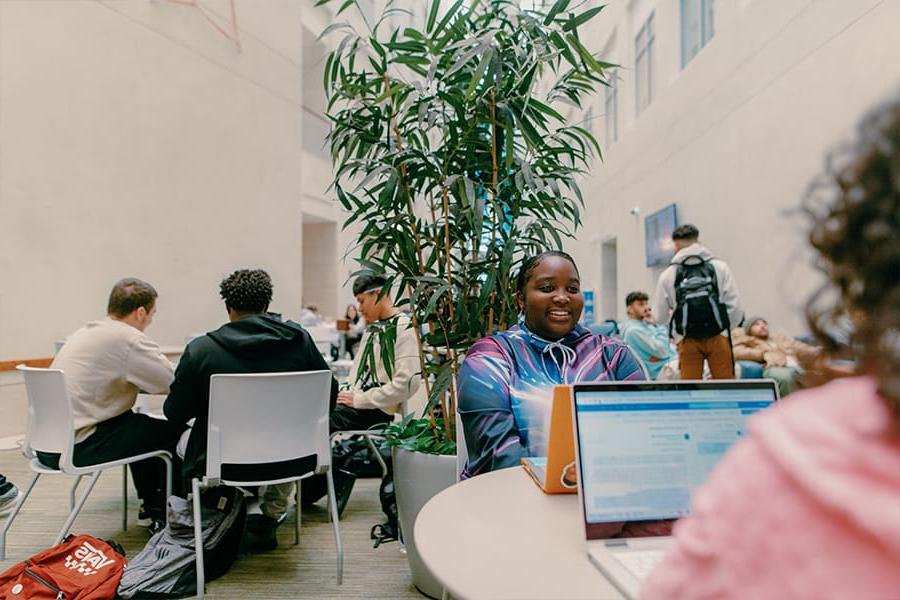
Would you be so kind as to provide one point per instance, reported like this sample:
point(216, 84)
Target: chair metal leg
point(336, 525)
point(198, 537)
point(12, 517)
point(368, 435)
point(297, 510)
point(124, 497)
point(74, 513)
point(384, 470)
point(72, 492)
point(168, 463)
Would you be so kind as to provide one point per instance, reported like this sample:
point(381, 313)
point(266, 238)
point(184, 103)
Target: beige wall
point(137, 140)
point(320, 255)
point(735, 136)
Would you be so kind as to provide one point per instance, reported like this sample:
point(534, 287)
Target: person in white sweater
point(376, 396)
point(106, 363)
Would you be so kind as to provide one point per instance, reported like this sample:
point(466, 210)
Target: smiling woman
point(507, 379)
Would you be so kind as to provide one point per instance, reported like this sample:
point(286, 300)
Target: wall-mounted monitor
point(658, 229)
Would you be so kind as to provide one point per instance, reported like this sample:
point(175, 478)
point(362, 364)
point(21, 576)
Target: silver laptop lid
point(643, 447)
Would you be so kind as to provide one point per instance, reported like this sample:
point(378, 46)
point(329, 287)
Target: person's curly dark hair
point(247, 290)
point(855, 214)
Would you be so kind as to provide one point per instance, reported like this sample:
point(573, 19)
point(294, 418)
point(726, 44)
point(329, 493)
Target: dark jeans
point(344, 418)
point(126, 435)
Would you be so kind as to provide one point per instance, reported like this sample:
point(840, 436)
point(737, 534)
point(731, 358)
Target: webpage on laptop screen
point(644, 452)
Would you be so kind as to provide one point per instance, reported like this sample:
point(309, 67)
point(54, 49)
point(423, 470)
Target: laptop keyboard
point(640, 562)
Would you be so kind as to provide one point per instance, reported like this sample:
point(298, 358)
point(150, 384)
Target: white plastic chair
point(51, 429)
point(264, 429)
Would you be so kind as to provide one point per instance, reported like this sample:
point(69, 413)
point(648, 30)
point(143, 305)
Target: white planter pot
point(418, 477)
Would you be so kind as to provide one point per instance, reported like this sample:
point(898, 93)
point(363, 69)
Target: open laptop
point(643, 448)
point(549, 472)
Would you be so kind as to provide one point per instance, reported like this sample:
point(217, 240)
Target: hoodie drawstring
point(568, 357)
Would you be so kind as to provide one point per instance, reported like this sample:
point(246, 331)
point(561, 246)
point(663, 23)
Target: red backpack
point(82, 567)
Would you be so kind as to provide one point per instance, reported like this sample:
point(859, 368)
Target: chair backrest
point(267, 427)
point(50, 423)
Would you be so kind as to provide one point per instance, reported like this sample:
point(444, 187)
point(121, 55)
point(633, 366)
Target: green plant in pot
point(454, 161)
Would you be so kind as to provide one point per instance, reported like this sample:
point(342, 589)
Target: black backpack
point(698, 312)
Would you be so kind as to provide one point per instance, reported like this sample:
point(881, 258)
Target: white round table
point(498, 536)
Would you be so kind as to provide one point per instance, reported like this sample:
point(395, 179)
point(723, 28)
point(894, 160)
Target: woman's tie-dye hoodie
point(506, 386)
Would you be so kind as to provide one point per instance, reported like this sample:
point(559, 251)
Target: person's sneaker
point(9, 499)
point(343, 487)
point(259, 533)
point(156, 526)
point(149, 518)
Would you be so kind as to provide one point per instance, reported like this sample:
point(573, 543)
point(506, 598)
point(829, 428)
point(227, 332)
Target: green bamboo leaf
point(480, 71)
point(347, 4)
point(557, 40)
point(377, 47)
point(558, 6)
point(446, 19)
point(576, 22)
point(546, 109)
point(432, 15)
point(586, 56)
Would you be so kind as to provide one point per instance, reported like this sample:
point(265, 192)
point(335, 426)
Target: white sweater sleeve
point(147, 367)
point(403, 384)
point(728, 294)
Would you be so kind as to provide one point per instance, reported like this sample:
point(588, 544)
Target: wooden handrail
point(9, 365)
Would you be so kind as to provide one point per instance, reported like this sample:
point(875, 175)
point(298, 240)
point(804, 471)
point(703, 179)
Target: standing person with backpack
point(698, 297)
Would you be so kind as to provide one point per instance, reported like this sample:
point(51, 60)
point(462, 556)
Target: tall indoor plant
point(452, 157)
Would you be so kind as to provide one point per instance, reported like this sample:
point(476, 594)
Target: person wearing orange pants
point(714, 350)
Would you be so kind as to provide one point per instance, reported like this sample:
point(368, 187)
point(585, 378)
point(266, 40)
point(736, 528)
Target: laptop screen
point(645, 446)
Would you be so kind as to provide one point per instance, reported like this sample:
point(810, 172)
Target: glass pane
point(708, 21)
point(690, 30)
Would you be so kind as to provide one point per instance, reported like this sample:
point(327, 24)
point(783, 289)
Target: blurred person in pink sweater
point(808, 504)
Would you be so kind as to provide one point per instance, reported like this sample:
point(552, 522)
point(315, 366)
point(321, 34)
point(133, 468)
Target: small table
point(499, 536)
point(173, 353)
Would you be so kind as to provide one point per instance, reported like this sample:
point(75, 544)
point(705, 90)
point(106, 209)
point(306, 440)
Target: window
point(588, 120)
point(696, 27)
point(611, 108)
point(643, 65)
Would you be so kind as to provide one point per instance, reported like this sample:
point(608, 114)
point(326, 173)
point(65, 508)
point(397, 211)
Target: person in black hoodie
point(253, 341)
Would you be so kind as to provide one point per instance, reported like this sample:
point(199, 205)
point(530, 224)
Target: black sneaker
point(149, 518)
point(9, 498)
point(156, 526)
point(259, 533)
point(343, 487)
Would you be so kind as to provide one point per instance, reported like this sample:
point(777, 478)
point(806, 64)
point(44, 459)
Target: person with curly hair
point(807, 505)
point(252, 341)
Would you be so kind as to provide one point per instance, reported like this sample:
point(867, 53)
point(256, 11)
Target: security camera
point(635, 211)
